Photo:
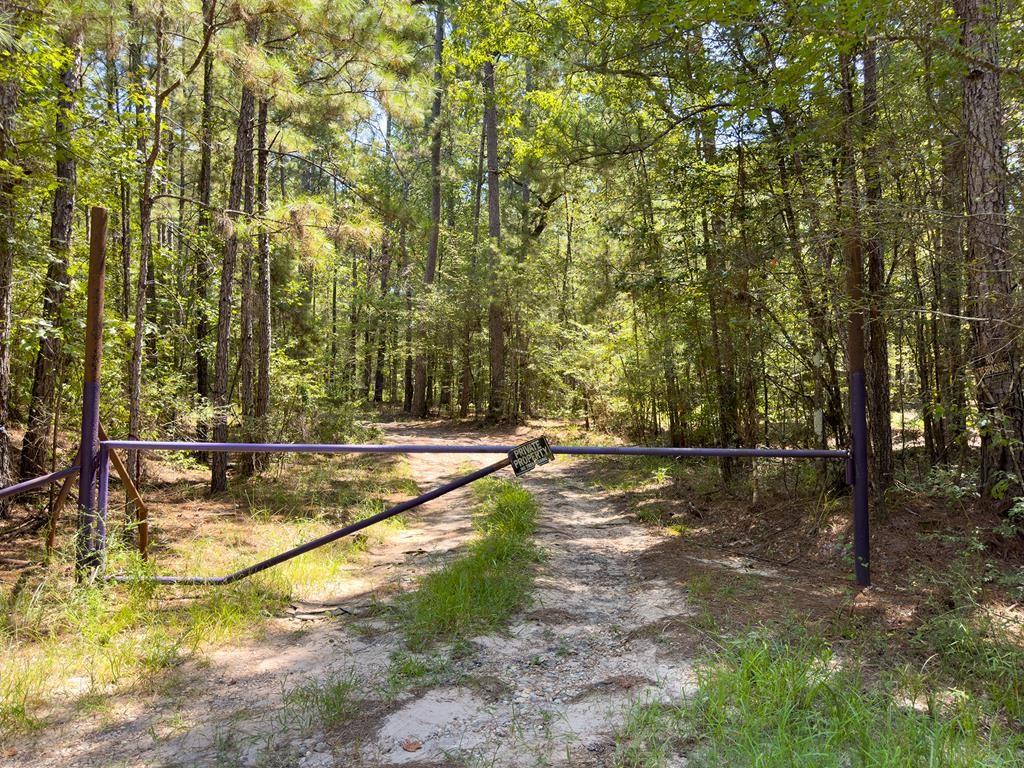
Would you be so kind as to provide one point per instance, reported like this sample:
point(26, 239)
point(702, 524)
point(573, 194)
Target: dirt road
point(553, 690)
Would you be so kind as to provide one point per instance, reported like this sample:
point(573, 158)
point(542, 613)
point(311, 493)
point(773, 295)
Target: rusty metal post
point(90, 524)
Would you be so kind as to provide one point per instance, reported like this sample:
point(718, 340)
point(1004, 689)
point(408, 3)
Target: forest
point(639, 215)
point(655, 222)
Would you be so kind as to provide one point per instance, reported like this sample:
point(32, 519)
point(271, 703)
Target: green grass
point(328, 702)
point(408, 670)
point(765, 701)
point(109, 637)
point(113, 638)
point(479, 591)
point(968, 642)
point(322, 487)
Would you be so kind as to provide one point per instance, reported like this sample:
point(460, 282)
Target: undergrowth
point(768, 701)
point(479, 591)
point(100, 639)
point(968, 642)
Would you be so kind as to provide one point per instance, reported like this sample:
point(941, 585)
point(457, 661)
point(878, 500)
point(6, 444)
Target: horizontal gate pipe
point(567, 450)
point(642, 450)
point(36, 482)
point(348, 530)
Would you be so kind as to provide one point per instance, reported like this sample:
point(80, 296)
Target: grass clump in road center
point(765, 702)
point(479, 591)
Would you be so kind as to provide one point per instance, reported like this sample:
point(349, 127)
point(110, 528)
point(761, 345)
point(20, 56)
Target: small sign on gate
point(530, 454)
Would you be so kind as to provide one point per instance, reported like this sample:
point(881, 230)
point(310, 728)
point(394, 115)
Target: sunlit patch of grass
point(410, 670)
point(765, 701)
point(323, 487)
point(88, 642)
point(631, 473)
point(328, 702)
point(647, 737)
point(62, 642)
point(479, 591)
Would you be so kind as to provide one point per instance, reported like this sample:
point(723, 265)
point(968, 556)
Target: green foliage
point(766, 701)
point(479, 591)
point(408, 670)
point(327, 703)
point(124, 637)
point(972, 645)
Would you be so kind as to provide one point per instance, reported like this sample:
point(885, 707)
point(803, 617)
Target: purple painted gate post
point(856, 353)
point(861, 521)
point(92, 510)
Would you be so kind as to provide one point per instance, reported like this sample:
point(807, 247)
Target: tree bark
point(949, 362)
point(263, 327)
point(877, 373)
point(204, 266)
point(496, 307)
point(718, 304)
point(221, 405)
point(849, 223)
point(419, 396)
point(9, 92)
point(352, 363)
point(994, 350)
point(36, 442)
point(385, 273)
point(246, 363)
point(924, 371)
point(145, 232)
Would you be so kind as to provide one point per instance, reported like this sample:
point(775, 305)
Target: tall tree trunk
point(879, 404)
point(122, 237)
point(849, 222)
point(403, 271)
point(950, 367)
point(51, 346)
point(419, 397)
point(744, 328)
point(263, 328)
point(467, 388)
point(145, 232)
point(478, 185)
point(9, 91)
point(243, 148)
point(203, 273)
point(382, 322)
point(522, 401)
point(246, 363)
point(496, 308)
point(383, 314)
point(125, 199)
point(352, 363)
point(994, 354)
point(721, 343)
point(921, 354)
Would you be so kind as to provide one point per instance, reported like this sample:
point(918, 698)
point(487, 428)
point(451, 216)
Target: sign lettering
point(529, 455)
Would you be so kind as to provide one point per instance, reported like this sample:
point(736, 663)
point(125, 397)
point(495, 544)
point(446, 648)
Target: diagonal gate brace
point(348, 530)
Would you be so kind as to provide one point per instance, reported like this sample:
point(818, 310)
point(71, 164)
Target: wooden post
point(58, 505)
point(91, 526)
point(132, 492)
